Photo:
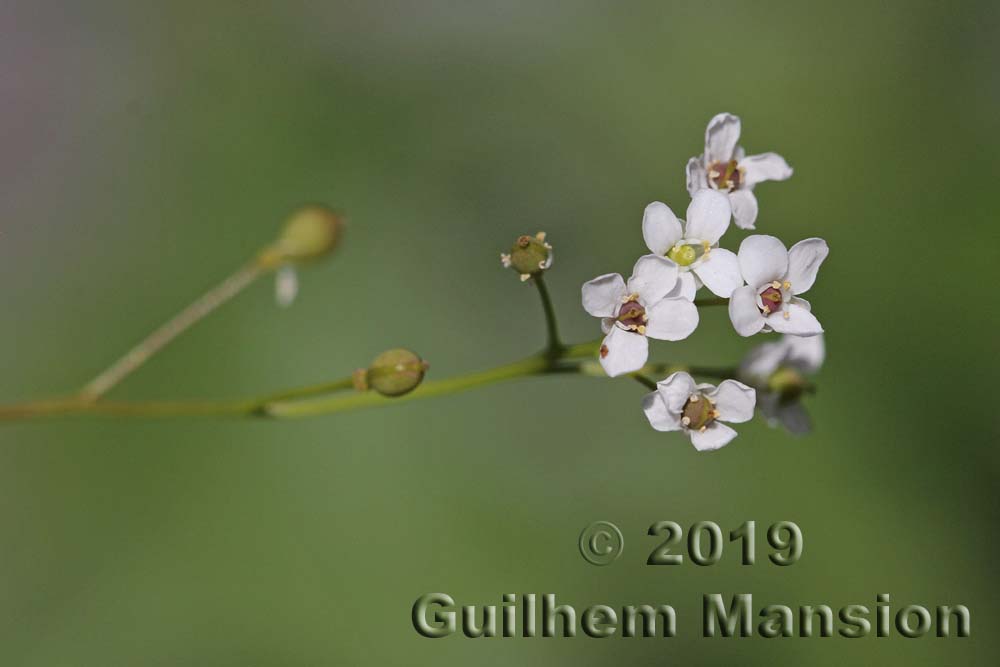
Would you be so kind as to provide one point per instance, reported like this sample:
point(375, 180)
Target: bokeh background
point(147, 149)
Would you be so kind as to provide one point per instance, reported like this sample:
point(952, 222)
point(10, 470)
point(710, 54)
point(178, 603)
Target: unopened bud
point(309, 233)
point(393, 373)
point(530, 256)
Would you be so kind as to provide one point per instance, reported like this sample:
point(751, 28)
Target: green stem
point(538, 364)
point(711, 301)
point(552, 327)
point(643, 380)
point(305, 392)
point(578, 358)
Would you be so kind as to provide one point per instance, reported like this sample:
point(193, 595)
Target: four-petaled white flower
point(780, 372)
point(679, 404)
point(775, 276)
point(632, 311)
point(694, 246)
point(726, 168)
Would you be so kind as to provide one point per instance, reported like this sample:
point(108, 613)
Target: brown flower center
point(770, 300)
point(725, 175)
point(632, 316)
point(698, 412)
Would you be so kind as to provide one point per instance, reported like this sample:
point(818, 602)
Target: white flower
point(725, 167)
point(631, 312)
point(694, 246)
point(775, 276)
point(780, 372)
point(678, 404)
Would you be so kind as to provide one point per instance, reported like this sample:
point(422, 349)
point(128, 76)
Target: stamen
point(694, 398)
point(786, 285)
point(776, 285)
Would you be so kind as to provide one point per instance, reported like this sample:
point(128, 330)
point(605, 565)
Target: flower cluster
point(763, 282)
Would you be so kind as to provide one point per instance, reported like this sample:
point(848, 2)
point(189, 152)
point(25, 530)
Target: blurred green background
point(149, 149)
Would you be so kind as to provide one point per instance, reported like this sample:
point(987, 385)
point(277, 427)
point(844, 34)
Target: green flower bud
point(530, 256)
point(309, 233)
point(393, 373)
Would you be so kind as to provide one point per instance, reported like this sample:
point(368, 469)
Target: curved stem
point(551, 326)
point(170, 330)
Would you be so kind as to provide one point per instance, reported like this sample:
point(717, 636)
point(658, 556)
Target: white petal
point(763, 259)
point(715, 436)
point(671, 319)
point(696, 178)
point(602, 296)
point(721, 136)
point(652, 278)
point(806, 353)
point(804, 259)
point(708, 216)
point(720, 271)
point(744, 205)
point(623, 352)
point(658, 415)
point(286, 286)
point(762, 360)
point(675, 390)
point(743, 311)
point(734, 401)
point(764, 167)
point(660, 228)
point(800, 322)
point(793, 416)
point(686, 287)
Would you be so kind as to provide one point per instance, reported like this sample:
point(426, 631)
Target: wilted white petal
point(286, 286)
point(721, 136)
point(602, 296)
point(623, 352)
point(763, 259)
point(720, 271)
point(744, 205)
point(676, 389)
point(696, 177)
point(708, 216)
point(805, 353)
point(652, 278)
point(715, 435)
point(734, 401)
point(764, 167)
point(800, 322)
point(660, 228)
point(658, 415)
point(671, 319)
point(743, 311)
point(804, 259)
